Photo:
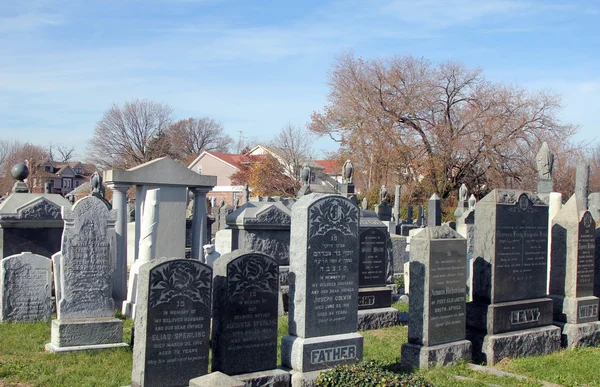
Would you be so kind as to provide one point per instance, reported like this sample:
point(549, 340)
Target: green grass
point(24, 361)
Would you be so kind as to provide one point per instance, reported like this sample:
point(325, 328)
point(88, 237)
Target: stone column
point(199, 222)
point(119, 203)
point(139, 198)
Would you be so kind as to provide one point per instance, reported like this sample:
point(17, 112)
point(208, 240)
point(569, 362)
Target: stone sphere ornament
point(20, 171)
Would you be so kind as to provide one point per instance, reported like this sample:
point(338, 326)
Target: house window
point(199, 169)
point(78, 171)
point(67, 183)
point(47, 168)
point(77, 184)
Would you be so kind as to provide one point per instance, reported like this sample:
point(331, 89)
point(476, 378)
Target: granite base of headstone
point(572, 275)
point(374, 297)
point(25, 288)
point(511, 315)
point(437, 319)
point(216, 379)
point(244, 330)
point(324, 265)
point(172, 323)
point(83, 272)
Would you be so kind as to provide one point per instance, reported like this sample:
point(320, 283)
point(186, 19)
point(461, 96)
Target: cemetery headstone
point(435, 211)
point(25, 288)
point(324, 261)
point(244, 330)
point(437, 303)
point(172, 323)
point(374, 297)
point(83, 273)
point(409, 214)
point(572, 273)
point(510, 314)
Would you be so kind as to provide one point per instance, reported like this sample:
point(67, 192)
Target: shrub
point(369, 374)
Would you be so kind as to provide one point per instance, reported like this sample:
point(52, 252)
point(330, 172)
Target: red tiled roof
point(233, 159)
point(332, 167)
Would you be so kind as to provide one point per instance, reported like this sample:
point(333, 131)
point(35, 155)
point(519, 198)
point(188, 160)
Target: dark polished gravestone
point(245, 312)
point(374, 297)
point(511, 314)
point(437, 322)
point(324, 261)
point(572, 273)
point(25, 288)
point(172, 323)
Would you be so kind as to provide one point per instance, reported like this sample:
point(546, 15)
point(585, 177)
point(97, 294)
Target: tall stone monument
point(582, 184)
point(435, 211)
point(146, 248)
point(323, 286)
point(510, 314)
point(462, 204)
point(83, 271)
point(436, 325)
point(172, 323)
point(572, 273)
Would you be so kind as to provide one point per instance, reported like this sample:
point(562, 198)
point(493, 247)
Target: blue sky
point(257, 65)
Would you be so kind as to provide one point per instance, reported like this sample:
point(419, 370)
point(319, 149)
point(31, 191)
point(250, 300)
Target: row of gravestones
point(513, 312)
point(510, 314)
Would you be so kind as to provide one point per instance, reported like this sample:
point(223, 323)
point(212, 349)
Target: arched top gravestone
point(172, 322)
point(245, 296)
point(87, 261)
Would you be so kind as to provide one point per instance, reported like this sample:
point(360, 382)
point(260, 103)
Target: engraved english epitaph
point(88, 260)
point(244, 333)
point(172, 323)
point(324, 261)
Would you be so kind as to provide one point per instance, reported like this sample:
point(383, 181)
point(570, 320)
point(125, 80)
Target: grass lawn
point(23, 362)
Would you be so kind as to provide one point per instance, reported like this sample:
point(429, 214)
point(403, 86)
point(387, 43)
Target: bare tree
point(194, 135)
point(437, 125)
point(65, 153)
point(294, 145)
point(123, 137)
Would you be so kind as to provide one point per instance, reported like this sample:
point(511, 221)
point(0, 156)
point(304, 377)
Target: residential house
point(62, 176)
point(221, 165)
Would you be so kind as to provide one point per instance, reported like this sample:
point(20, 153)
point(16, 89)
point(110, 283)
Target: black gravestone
point(245, 296)
point(332, 267)
point(373, 257)
point(586, 267)
point(521, 251)
point(172, 323)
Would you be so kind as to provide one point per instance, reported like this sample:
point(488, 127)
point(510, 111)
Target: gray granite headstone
point(510, 278)
point(582, 184)
point(324, 265)
point(172, 323)
point(88, 261)
point(572, 273)
point(435, 211)
point(25, 288)
point(421, 217)
point(83, 272)
point(409, 214)
point(436, 327)
point(245, 296)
